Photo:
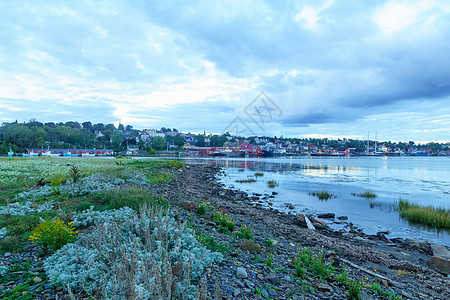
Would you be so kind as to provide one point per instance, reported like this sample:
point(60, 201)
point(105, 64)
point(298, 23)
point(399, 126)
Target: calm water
point(424, 180)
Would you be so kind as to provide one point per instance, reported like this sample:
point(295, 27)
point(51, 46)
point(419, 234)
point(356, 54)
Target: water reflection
point(426, 182)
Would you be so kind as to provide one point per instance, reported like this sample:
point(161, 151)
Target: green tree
point(158, 143)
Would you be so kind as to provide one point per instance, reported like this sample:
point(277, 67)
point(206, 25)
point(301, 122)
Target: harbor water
point(421, 180)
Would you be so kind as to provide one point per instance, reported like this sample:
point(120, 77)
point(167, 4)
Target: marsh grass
point(259, 174)
point(322, 195)
point(425, 215)
point(272, 184)
point(248, 180)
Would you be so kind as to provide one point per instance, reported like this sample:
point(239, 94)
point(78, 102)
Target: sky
point(303, 69)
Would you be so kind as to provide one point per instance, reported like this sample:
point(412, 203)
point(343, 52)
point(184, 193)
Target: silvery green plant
point(3, 270)
point(21, 209)
point(28, 195)
point(90, 216)
point(3, 233)
point(146, 256)
point(92, 184)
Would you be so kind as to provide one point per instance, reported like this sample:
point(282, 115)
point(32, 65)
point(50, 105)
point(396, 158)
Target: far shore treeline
point(69, 135)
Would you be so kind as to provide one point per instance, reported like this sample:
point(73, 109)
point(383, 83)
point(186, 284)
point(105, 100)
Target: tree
point(121, 127)
point(200, 140)
point(158, 143)
point(129, 128)
point(179, 141)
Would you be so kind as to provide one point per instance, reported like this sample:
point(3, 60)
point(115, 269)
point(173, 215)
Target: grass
point(211, 244)
point(322, 195)
point(259, 174)
point(306, 260)
point(201, 209)
point(161, 177)
point(19, 229)
point(367, 194)
point(425, 215)
point(272, 184)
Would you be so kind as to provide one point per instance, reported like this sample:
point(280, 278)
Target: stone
point(440, 251)
point(326, 215)
point(37, 279)
point(318, 223)
point(241, 273)
point(343, 218)
point(236, 292)
point(272, 292)
point(300, 219)
point(439, 264)
point(273, 279)
point(323, 287)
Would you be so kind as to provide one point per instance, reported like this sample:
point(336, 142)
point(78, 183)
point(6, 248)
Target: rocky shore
point(263, 267)
point(404, 267)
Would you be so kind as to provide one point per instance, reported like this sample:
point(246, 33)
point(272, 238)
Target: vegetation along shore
point(159, 229)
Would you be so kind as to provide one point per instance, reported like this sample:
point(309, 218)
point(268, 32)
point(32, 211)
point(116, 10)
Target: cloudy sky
point(292, 68)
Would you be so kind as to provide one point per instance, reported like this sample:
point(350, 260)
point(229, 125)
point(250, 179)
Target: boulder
point(440, 251)
point(439, 264)
point(326, 215)
point(241, 273)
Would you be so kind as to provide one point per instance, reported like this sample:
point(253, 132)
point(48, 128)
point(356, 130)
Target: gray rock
point(326, 215)
point(241, 273)
point(439, 264)
point(440, 251)
point(343, 218)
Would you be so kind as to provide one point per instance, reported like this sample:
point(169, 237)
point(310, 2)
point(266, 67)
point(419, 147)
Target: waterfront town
point(34, 138)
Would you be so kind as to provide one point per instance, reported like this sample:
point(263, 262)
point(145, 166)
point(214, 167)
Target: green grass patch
point(161, 177)
point(425, 215)
point(132, 197)
point(211, 244)
point(19, 229)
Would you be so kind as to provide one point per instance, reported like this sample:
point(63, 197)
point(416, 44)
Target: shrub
point(53, 234)
point(245, 233)
point(175, 164)
point(250, 246)
point(147, 256)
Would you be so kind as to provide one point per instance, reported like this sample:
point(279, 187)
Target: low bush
point(53, 234)
point(147, 256)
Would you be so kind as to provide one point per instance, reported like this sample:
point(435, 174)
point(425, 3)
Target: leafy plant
point(53, 234)
point(354, 290)
point(223, 221)
point(56, 183)
point(201, 209)
point(245, 233)
point(269, 261)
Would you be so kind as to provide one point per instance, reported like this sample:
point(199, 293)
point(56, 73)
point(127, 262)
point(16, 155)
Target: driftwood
point(309, 224)
point(391, 282)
